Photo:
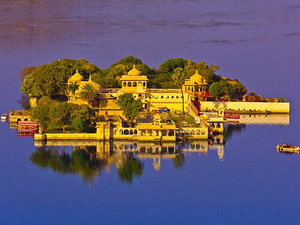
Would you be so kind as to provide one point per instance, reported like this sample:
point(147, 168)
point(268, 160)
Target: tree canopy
point(51, 114)
point(131, 107)
point(51, 79)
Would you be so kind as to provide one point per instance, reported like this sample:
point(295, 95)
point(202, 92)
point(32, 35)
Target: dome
point(94, 84)
point(197, 78)
point(76, 78)
point(134, 72)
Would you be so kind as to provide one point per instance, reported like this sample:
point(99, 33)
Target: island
point(181, 100)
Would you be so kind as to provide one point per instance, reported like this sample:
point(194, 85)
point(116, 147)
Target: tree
point(88, 92)
point(216, 90)
point(170, 65)
point(24, 102)
point(238, 91)
point(26, 71)
point(227, 88)
point(51, 79)
point(72, 88)
point(60, 114)
point(178, 78)
point(41, 112)
point(81, 118)
point(131, 107)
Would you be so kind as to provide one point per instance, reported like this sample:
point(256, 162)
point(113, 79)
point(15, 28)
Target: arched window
point(126, 132)
point(124, 84)
point(144, 84)
point(162, 96)
point(129, 84)
point(134, 84)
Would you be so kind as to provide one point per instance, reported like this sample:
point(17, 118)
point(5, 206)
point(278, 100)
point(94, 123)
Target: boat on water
point(27, 128)
point(4, 117)
point(288, 148)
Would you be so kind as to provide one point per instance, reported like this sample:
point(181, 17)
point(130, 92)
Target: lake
point(241, 180)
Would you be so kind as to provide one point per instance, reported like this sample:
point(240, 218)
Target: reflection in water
point(130, 167)
point(231, 129)
point(89, 158)
point(80, 161)
point(263, 119)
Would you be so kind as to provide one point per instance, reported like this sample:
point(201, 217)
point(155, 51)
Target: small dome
point(197, 78)
point(134, 72)
point(76, 78)
point(94, 84)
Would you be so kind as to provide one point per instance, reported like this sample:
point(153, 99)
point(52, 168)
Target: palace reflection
point(90, 158)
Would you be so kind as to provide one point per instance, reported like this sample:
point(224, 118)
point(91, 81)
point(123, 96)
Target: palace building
point(194, 89)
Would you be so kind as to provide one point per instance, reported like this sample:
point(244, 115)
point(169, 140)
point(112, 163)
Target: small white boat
point(3, 117)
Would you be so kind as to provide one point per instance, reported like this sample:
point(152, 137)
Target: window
point(144, 84)
point(124, 84)
point(134, 84)
point(162, 96)
point(129, 84)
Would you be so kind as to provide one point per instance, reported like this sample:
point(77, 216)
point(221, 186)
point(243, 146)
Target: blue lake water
point(255, 41)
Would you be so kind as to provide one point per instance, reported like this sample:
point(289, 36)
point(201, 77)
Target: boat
point(27, 128)
point(287, 148)
point(4, 117)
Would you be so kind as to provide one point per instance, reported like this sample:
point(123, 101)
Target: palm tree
point(178, 78)
point(88, 92)
point(72, 88)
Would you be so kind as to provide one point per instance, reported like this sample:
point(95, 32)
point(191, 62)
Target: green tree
point(72, 88)
point(88, 92)
point(60, 115)
point(51, 79)
point(131, 107)
point(82, 119)
point(216, 90)
point(170, 65)
point(178, 78)
point(41, 112)
point(238, 91)
point(227, 88)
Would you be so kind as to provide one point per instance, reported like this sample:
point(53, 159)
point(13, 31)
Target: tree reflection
point(231, 129)
point(130, 167)
point(179, 161)
point(79, 161)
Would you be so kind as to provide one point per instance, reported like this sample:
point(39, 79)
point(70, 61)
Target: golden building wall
point(258, 107)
